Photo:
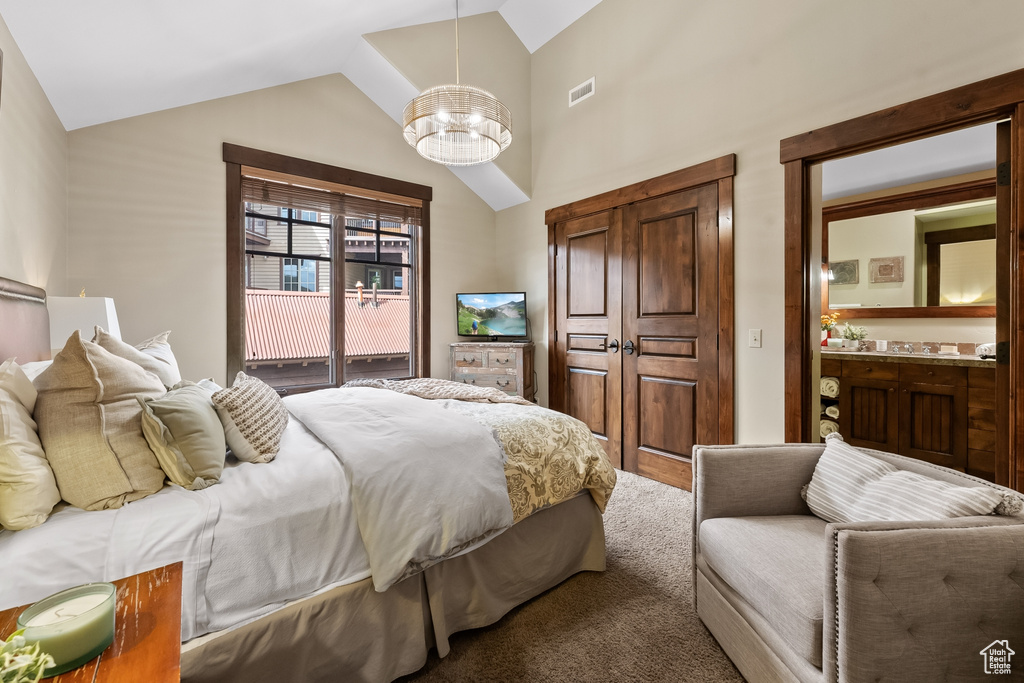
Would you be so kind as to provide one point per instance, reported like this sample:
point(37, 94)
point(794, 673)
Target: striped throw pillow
point(849, 485)
point(254, 418)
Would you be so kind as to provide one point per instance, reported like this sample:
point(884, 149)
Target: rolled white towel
point(833, 412)
point(830, 386)
point(828, 427)
point(986, 349)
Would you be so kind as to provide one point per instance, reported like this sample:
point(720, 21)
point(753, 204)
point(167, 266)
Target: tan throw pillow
point(184, 431)
point(28, 491)
point(254, 418)
point(129, 352)
point(160, 349)
point(90, 425)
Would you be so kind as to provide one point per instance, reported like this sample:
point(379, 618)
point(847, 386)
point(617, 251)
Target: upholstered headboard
point(24, 322)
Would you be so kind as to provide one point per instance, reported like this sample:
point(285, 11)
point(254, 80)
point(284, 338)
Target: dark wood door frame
point(720, 171)
point(989, 100)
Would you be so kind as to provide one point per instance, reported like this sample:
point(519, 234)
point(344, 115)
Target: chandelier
point(457, 125)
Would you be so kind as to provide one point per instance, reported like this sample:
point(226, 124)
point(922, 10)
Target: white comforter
point(426, 482)
point(265, 535)
point(271, 533)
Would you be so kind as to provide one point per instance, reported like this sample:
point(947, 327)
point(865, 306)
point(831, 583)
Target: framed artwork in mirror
point(888, 269)
point(844, 272)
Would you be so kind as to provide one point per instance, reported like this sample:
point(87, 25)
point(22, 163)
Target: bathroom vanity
point(934, 408)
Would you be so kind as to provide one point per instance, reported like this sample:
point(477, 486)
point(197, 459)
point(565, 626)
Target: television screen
point(494, 314)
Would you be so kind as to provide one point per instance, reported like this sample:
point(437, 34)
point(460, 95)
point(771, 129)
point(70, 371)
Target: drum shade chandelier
point(457, 125)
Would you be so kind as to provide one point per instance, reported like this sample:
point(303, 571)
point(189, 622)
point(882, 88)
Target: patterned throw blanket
point(431, 388)
point(551, 456)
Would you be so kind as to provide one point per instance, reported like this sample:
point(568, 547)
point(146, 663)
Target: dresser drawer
point(506, 383)
point(500, 359)
point(866, 369)
point(468, 359)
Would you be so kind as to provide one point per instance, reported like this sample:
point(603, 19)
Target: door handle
point(628, 347)
point(613, 346)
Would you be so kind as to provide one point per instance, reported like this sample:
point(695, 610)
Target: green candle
point(72, 626)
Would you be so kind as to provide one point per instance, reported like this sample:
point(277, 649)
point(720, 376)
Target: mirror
point(913, 249)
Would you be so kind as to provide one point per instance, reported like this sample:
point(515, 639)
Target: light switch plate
point(755, 339)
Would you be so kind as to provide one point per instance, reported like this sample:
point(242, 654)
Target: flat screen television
point(491, 314)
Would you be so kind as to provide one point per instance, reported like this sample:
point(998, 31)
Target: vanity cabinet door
point(868, 409)
point(933, 414)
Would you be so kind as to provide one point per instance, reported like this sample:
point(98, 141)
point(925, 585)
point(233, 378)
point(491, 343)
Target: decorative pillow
point(184, 431)
point(129, 352)
point(160, 349)
point(28, 491)
point(254, 418)
point(849, 485)
point(90, 425)
point(35, 368)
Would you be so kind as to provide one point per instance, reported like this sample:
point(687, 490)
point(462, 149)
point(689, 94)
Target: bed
point(277, 580)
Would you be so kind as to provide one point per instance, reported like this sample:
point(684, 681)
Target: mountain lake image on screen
point(494, 314)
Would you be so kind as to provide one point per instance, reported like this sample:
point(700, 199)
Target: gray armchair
point(792, 598)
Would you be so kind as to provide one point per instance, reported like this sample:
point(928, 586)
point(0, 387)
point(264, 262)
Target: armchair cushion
point(777, 565)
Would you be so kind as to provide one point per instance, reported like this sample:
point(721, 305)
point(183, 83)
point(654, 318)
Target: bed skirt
point(353, 633)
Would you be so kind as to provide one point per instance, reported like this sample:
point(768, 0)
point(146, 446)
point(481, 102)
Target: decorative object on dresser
point(147, 632)
point(505, 366)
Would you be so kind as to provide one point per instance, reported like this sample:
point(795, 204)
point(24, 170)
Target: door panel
point(588, 317)
point(670, 316)
point(868, 412)
point(933, 423)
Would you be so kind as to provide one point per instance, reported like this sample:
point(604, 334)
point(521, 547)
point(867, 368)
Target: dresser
point(507, 366)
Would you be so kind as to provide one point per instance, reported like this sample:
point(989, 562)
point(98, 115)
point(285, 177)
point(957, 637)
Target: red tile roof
point(296, 325)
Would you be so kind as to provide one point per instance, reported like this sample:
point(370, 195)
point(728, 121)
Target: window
point(298, 275)
point(335, 287)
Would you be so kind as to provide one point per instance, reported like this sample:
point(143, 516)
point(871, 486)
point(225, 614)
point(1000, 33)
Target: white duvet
point(271, 533)
point(426, 482)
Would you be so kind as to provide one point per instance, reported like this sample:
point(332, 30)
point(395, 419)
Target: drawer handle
point(467, 360)
point(502, 361)
point(469, 381)
point(502, 384)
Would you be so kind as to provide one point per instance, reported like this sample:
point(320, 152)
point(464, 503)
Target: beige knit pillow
point(28, 491)
point(254, 418)
point(123, 350)
point(90, 426)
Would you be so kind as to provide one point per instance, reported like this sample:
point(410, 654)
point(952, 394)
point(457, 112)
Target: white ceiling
point(940, 156)
point(102, 60)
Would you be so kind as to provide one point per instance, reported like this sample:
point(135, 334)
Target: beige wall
point(33, 178)
point(147, 208)
point(680, 83)
point(492, 58)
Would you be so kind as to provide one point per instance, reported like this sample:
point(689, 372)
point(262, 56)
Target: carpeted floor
point(633, 622)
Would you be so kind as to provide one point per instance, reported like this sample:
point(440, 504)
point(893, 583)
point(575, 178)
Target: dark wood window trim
point(720, 171)
point(919, 199)
point(994, 99)
point(235, 157)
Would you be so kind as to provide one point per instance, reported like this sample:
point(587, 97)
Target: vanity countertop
point(963, 361)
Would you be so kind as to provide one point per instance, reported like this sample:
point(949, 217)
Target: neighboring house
point(287, 336)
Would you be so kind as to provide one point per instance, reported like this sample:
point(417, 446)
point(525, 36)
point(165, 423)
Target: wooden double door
point(636, 344)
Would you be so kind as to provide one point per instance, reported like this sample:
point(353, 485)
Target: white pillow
point(35, 368)
point(254, 418)
point(147, 362)
point(160, 349)
point(28, 490)
point(849, 485)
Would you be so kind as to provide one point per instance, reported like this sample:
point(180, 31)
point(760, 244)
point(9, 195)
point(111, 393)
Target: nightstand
point(147, 632)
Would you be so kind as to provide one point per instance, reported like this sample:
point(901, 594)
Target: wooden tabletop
point(147, 632)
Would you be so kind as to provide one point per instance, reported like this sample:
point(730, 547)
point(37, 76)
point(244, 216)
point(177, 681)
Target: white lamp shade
point(70, 313)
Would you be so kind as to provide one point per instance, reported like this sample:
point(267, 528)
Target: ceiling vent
point(581, 92)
